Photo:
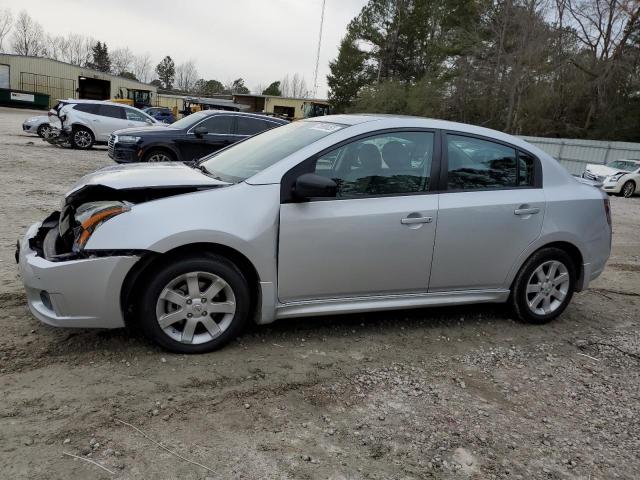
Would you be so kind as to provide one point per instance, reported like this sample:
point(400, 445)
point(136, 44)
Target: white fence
point(575, 154)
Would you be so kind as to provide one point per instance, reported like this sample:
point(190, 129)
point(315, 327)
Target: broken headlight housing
point(91, 215)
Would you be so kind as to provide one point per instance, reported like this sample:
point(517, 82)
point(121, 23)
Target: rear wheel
point(544, 286)
point(44, 130)
point(82, 138)
point(628, 189)
point(195, 305)
point(159, 156)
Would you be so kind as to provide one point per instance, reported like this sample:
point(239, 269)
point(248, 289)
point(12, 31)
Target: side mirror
point(200, 131)
point(311, 185)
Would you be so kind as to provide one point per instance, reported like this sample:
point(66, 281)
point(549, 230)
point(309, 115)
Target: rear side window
point(112, 111)
point(86, 108)
point(251, 126)
point(219, 124)
point(475, 164)
point(526, 170)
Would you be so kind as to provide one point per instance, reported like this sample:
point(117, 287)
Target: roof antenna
point(315, 74)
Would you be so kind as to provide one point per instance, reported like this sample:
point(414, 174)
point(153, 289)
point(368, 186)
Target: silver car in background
point(331, 215)
point(38, 125)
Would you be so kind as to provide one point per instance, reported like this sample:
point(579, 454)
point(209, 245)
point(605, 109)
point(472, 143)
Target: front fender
point(243, 217)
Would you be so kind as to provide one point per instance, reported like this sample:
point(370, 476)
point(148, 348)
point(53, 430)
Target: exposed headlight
point(127, 139)
point(93, 214)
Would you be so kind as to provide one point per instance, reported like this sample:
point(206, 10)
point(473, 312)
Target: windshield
point(189, 120)
point(259, 152)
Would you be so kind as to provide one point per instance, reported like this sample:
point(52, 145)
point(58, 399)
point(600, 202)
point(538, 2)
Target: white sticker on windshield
point(326, 127)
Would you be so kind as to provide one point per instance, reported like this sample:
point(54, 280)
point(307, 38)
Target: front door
point(376, 237)
point(492, 210)
point(220, 133)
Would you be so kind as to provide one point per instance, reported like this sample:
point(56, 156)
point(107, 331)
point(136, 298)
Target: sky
point(258, 40)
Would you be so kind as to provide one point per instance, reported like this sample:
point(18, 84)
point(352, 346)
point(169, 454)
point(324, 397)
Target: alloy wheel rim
point(628, 190)
point(46, 130)
point(159, 157)
point(82, 138)
point(547, 287)
point(195, 308)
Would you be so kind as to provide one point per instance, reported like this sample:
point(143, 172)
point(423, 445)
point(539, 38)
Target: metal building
point(26, 75)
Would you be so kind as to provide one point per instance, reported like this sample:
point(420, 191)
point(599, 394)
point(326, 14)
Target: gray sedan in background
point(330, 215)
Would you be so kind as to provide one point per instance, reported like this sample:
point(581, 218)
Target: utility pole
point(315, 74)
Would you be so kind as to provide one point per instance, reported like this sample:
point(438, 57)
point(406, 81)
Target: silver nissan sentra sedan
point(337, 214)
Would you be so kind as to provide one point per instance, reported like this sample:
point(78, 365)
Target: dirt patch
point(435, 393)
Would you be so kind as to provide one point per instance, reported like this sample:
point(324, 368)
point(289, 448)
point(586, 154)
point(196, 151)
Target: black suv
point(188, 139)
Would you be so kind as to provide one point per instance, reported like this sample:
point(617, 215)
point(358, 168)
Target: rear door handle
point(526, 211)
point(413, 220)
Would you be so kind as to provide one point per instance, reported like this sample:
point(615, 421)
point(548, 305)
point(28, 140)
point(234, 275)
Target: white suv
point(82, 123)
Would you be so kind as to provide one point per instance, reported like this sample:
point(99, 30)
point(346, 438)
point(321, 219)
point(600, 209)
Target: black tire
point(628, 189)
point(158, 278)
point(43, 130)
point(155, 153)
point(519, 300)
point(82, 138)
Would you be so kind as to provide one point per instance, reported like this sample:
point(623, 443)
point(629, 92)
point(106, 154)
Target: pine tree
point(101, 61)
point(348, 75)
point(273, 89)
point(166, 71)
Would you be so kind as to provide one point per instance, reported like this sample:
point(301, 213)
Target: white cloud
point(258, 40)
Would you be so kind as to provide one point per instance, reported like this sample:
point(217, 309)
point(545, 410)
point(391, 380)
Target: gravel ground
point(439, 393)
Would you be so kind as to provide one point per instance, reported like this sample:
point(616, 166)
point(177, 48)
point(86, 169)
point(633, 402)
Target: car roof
point(83, 100)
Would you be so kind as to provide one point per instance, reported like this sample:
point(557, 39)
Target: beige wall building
point(292, 108)
point(63, 80)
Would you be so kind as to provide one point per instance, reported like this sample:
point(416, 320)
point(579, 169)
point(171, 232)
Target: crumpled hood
point(602, 170)
point(147, 175)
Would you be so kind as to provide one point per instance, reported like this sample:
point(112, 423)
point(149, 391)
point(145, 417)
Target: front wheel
point(196, 304)
point(155, 156)
point(628, 189)
point(544, 286)
point(44, 130)
point(82, 138)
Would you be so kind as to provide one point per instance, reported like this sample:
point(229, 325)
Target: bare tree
point(296, 87)
point(604, 28)
point(186, 75)
point(142, 67)
point(77, 49)
point(121, 60)
point(6, 22)
point(55, 46)
point(28, 36)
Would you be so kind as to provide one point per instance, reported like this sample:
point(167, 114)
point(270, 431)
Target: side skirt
point(310, 308)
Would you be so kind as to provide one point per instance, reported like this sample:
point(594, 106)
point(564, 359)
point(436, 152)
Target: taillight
point(607, 209)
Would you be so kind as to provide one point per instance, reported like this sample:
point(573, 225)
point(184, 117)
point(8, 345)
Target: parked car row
point(134, 135)
point(328, 215)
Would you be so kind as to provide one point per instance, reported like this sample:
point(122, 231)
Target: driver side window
point(394, 163)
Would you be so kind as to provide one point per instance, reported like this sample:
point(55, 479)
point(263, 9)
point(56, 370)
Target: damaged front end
point(64, 234)
point(67, 283)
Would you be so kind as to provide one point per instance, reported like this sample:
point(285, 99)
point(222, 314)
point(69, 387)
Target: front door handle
point(526, 211)
point(414, 220)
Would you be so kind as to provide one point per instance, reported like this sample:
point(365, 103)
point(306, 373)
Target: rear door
point(491, 210)
point(247, 126)
point(109, 119)
point(376, 237)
